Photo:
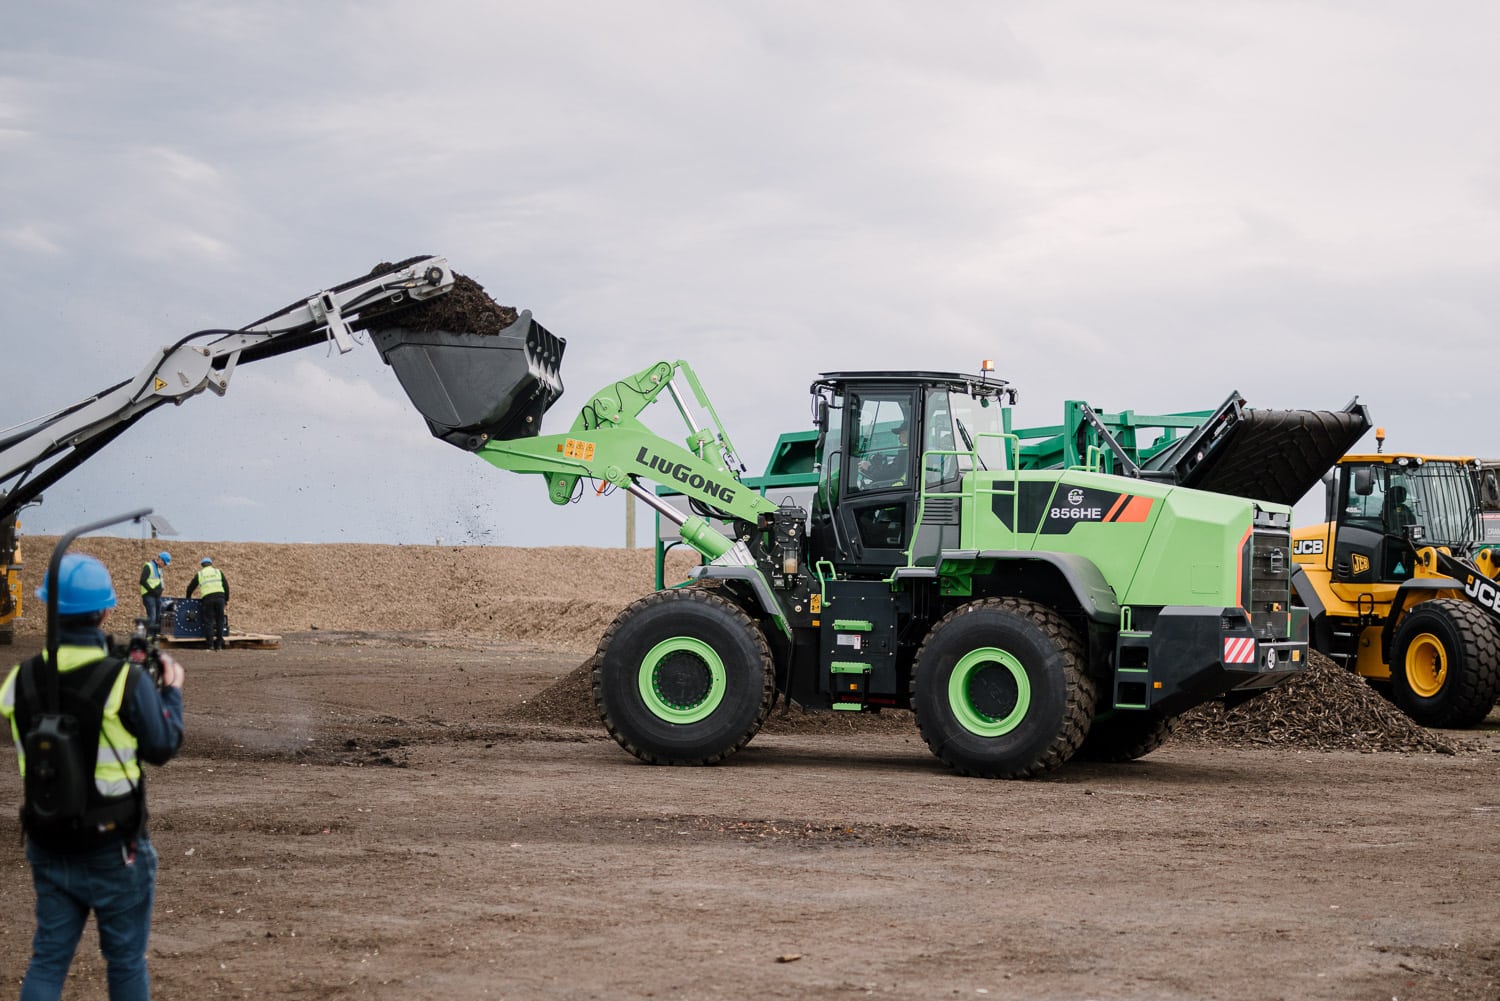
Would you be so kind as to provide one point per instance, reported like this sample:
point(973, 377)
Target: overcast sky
point(1142, 205)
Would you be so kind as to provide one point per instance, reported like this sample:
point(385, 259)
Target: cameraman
point(105, 863)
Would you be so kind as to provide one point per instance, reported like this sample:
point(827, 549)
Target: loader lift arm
point(608, 442)
point(487, 394)
point(1475, 577)
point(36, 454)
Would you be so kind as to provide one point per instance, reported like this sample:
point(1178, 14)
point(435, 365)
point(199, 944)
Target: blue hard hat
point(83, 586)
point(166, 558)
point(206, 561)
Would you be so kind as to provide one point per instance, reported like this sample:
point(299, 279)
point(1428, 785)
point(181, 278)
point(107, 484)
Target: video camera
point(144, 650)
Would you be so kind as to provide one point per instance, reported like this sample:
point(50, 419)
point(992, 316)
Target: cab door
point(1361, 549)
point(863, 513)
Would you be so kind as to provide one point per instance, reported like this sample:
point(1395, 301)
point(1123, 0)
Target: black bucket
point(472, 388)
point(1268, 455)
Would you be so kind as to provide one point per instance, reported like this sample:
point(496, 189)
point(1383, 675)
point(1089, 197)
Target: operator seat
point(1397, 514)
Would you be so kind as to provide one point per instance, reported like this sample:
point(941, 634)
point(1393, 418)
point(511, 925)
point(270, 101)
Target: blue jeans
point(118, 890)
point(152, 603)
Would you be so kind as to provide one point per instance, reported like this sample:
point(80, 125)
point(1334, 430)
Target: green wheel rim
point(986, 667)
point(682, 659)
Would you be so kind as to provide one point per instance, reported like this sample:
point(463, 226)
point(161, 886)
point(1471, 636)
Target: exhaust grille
point(1268, 592)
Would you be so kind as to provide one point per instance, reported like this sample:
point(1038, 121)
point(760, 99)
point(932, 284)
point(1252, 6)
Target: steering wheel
point(880, 467)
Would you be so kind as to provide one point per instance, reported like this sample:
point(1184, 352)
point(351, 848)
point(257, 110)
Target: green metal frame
point(1143, 436)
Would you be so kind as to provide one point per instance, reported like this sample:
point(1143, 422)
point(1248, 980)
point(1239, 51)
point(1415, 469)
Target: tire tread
point(1082, 690)
point(707, 597)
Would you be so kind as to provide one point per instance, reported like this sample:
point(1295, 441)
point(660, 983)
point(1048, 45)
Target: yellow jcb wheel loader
point(1386, 595)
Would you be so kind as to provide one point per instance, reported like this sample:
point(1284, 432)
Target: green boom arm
point(609, 442)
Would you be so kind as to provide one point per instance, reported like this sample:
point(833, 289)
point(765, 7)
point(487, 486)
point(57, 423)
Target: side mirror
point(1489, 493)
point(820, 421)
point(1364, 481)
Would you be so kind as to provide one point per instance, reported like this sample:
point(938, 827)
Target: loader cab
point(1376, 498)
point(1487, 485)
point(885, 438)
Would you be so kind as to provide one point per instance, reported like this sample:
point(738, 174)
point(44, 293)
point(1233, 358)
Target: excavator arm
point(38, 453)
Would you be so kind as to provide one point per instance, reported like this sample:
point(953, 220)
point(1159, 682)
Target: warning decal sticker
point(1239, 650)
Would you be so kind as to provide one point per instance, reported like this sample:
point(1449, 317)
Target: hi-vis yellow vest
point(210, 581)
point(117, 770)
point(153, 578)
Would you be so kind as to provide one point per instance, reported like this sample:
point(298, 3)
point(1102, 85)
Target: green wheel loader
point(1026, 616)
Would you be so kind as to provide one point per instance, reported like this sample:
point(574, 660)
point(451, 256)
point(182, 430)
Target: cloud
point(232, 502)
point(1144, 206)
point(31, 238)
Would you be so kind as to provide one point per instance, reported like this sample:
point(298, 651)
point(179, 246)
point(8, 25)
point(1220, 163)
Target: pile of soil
point(1325, 708)
point(569, 702)
point(465, 308)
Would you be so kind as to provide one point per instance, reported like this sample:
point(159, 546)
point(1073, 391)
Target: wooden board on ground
point(242, 641)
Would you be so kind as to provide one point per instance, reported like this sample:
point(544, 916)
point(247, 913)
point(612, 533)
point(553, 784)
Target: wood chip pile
point(1326, 708)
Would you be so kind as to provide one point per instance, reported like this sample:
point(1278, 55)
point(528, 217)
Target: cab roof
point(1392, 458)
point(979, 385)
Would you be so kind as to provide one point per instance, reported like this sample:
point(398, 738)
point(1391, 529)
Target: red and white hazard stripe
point(1239, 650)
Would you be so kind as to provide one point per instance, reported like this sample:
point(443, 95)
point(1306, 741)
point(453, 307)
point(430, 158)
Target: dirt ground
point(385, 806)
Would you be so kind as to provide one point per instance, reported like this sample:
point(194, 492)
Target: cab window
point(1364, 509)
point(879, 453)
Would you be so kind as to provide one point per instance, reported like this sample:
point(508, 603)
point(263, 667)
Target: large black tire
point(683, 677)
point(1000, 689)
point(1445, 665)
point(1125, 735)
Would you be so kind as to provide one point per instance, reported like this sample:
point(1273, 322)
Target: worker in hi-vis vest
point(152, 586)
point(213, 586)
point(80, 753)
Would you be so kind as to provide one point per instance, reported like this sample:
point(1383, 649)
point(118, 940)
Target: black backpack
point(61, 743)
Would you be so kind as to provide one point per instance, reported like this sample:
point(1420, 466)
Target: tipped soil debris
point(569, 702)
point(1325, 708)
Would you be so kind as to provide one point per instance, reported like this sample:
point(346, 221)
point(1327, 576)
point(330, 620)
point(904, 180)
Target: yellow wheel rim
point(1426, 665)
